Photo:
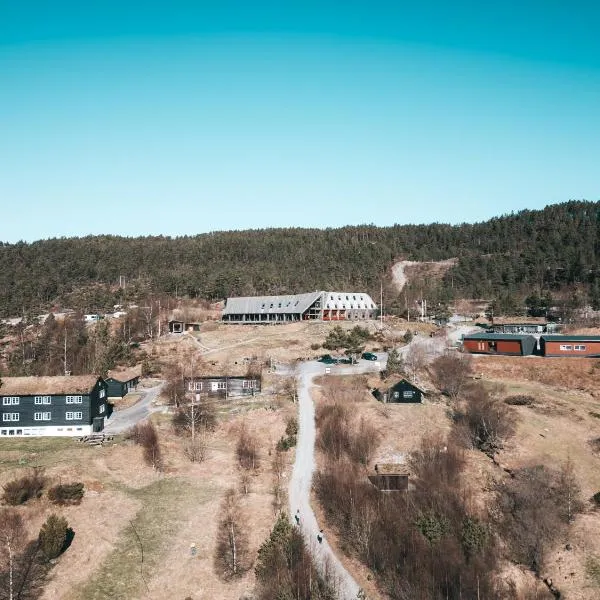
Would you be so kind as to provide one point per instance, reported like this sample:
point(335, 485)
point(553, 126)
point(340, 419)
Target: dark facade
point(402, 392)
point(223, 386)
point(570, 345)
point(181, 326)
point(119, 384)
point(499, 343)
point(390, 483)
point(55, 406)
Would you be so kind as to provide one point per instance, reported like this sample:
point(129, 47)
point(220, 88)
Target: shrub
point(519, 400)
point(596, 498)
point(67, 493)
point(285, 443)
point(247, 450)
point(315, 346)
point(145, 435)
point(291, 427)
point(53, 536)
point(19, 491)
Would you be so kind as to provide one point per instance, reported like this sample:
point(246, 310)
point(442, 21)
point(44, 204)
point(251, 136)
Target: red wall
point(591, 348)
point(482, 347)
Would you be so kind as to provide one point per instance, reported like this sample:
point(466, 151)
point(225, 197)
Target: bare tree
point(247, 450)
point(12, 541)
point(232, 557)
point(415, 360)
point(451, 372)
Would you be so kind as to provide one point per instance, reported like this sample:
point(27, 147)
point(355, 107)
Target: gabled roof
point(511, 337)
point(58, 386)
point(125, 375)
point(295, 303)
point(404, 380)
point(571, 338)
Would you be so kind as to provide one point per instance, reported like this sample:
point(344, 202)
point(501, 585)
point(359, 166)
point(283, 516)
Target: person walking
point(297, 517)
point(320, 536)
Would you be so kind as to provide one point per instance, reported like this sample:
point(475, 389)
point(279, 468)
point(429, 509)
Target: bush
point(596, 498)
point(145, 435)
point(19, 491)
point(67, 493)
point(53, 536)
point(519, 400)
point(247, 450)
point(315, 346)
point(285, 443)
point(291, 427)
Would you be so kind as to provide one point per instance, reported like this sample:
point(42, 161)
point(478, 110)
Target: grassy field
point(142, 545)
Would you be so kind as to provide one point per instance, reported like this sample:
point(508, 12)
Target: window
point(102, 408)
point(42, 400)
point(73, 416)
point(566, 347)
point(10, 417)
point(580, 348)
point(102, 393)
point(191, 386)
point(221, 385)
point(74, 399)
point(396, 394)
point(42, 416)
point(408, 394)
point(248, 384)
point(10, 401)
point(197, 386)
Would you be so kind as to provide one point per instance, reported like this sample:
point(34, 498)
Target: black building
point(57, 406)
point(402, 392)
point(224, 386)
point(121, 382)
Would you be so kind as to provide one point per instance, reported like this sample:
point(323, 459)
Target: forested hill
point(530, 250)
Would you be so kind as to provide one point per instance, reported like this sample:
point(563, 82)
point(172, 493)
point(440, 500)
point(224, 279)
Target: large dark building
point(122, 381)
point(402, 392)
point(57, 406)
point(499, 343)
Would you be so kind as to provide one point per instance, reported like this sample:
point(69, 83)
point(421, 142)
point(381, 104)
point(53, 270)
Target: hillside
point(529, 251)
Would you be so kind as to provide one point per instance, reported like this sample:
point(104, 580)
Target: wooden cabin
point(122, 381)
point(401, 392)
point(224, 385)
point(176, 326)
point(390, 477)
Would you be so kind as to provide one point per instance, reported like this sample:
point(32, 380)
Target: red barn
point(570, 345)
point(499, 343)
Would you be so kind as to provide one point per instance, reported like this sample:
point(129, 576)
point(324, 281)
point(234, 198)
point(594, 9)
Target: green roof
point(521, 337)
point(570, 338)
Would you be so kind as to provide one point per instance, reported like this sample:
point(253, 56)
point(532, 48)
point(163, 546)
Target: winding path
point(121, 420)
point(304, 466)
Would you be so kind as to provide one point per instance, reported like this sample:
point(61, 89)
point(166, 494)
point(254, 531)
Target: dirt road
point(301, 482)
point(122, 420)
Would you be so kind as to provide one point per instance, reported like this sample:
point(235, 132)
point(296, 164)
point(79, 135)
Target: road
point(304, 466)
point(123, 420)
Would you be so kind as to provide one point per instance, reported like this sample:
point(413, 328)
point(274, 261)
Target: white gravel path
point(301, 482)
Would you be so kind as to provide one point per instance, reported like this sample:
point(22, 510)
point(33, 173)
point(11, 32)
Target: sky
point(178, 118)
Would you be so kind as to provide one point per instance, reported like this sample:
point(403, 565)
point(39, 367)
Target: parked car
point(327, 359)
point(369, 356)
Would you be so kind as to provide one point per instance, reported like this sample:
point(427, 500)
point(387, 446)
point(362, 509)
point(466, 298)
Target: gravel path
point(122, 420)
point(301, 482)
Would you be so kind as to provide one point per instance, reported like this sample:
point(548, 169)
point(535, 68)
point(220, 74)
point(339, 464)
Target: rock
point(568, 547)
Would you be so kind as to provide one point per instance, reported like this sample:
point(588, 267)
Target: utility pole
point(197, 397)
point(65, 353)
point(159, 317)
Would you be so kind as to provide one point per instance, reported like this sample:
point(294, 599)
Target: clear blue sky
point(186, 117)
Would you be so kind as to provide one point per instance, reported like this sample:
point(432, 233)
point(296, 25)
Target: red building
point(570, 345)
point(499, 343)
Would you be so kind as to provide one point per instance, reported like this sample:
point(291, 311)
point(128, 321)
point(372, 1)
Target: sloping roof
point(511, 337)
point(295, 303)
point(571, 338)
point(60, 385)
point(125, 375)
point(349, 300)
point(391, 469)
point(404, 380)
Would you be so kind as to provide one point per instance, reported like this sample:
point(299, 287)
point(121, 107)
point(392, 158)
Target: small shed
point(390, 477)
point(401, 392)
point(176, 326)
point(122, 381)
point(500, 343)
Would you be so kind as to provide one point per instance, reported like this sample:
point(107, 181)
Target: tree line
point(516, 254)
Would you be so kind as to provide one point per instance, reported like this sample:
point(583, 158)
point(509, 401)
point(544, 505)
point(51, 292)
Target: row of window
point(577, 347)
point(214, 386)
point(29, 431)
point(47, 416)
point(16, 400)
